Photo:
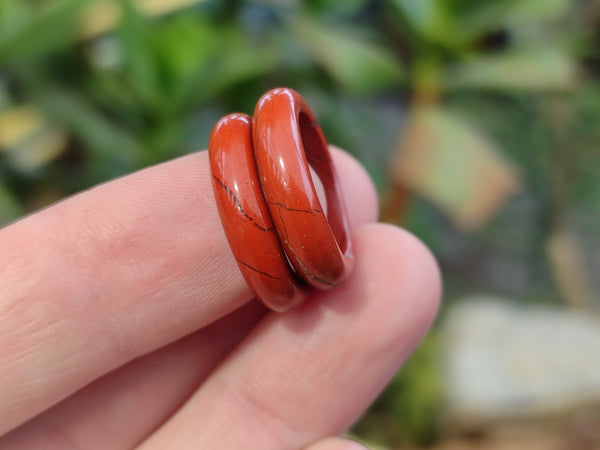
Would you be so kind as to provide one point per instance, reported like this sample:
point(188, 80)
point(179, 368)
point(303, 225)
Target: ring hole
point(313, 142)
point(319, 188)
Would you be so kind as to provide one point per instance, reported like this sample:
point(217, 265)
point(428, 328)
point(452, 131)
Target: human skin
point(125, 322)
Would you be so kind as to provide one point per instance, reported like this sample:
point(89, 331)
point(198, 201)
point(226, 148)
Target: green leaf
point(140, 65)
point(535, 11)
point(106, 142)
point(10, 208)
point(335, 7)
point(358, 65)
point(14, 15)
point(27, 33)
point(542, 68)
point(423, 16)
point(456, 24)
point(185, 47)
point(474, 17)
point(236, 59)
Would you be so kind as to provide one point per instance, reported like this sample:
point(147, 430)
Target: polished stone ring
point(283, 239)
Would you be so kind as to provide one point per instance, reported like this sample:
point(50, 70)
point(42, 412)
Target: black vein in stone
point(239, 206)
point(256, 270)
point(306, 271)
point(307, 211)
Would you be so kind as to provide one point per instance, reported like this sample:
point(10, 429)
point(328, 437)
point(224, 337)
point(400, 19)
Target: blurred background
point(479, 121)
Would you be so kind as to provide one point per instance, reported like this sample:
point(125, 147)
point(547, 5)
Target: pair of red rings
point(283, 238)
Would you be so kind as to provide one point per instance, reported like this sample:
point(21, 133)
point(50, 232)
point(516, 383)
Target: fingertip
point(404, 266)
point(353, 338)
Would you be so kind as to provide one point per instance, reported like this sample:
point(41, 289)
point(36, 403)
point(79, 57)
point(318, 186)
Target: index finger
point(114, 273)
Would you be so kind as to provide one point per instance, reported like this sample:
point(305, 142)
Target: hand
point(124, 321)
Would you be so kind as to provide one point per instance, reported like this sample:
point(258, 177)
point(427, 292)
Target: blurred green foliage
point(523, 72)
point(411, 410)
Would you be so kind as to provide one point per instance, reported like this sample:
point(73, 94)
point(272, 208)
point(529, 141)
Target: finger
point(119, 410)
point(112, 274)
point(311, 372)
point(360, 194)
point(336, 443)
point(99, 411)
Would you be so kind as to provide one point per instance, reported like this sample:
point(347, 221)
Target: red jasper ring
point(283, 238)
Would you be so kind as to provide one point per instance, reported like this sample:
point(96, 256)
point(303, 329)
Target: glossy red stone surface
point(268, 203)
point(245, 216)
point(287, 138)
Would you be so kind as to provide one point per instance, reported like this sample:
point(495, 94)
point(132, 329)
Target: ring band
point(277, 229)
